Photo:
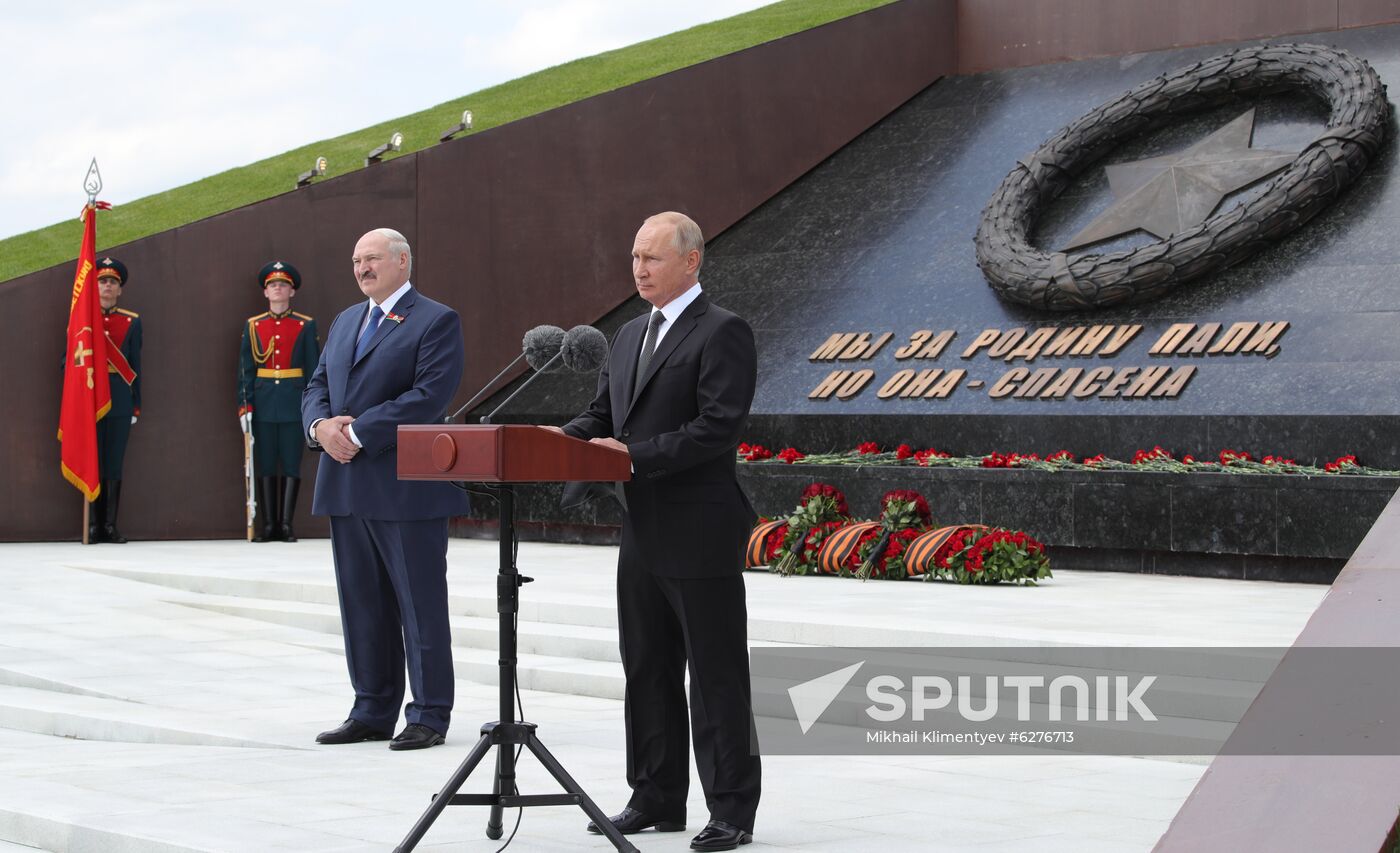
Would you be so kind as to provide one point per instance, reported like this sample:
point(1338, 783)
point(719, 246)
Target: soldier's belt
point(271, 373)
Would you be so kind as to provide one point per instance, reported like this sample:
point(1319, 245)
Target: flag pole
point(92, 184)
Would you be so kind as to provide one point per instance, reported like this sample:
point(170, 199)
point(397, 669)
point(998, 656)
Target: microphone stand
point(474, 400)
point(509, 735)
point(486, 419)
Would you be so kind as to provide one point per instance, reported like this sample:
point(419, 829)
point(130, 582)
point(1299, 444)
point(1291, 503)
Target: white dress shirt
point(673, 310)
point(387, 306)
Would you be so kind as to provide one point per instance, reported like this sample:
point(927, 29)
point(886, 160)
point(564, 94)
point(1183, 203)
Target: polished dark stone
point(1041, 506)
point(1223, 566)
point(1120, 515)
point(1213, 520)
point(1227, 515)
point(879, 238)
point(909, 202)
point(1302, 529)
point(1269, 527)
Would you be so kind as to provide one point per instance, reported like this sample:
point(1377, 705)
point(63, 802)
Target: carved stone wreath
point(1055, 281)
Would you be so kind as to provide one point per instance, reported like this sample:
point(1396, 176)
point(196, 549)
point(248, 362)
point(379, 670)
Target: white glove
point(245, 421)
point(133, 420)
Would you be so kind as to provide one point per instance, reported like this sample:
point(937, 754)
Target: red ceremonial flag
point(86, 394)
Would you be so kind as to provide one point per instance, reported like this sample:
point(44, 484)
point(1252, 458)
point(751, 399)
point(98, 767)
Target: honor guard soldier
point(279, 352)
point(123, 329)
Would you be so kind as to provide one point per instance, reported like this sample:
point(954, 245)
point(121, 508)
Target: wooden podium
point(499, 455)
point(504, 453)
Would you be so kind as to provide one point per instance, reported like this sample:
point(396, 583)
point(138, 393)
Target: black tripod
point(509, 735)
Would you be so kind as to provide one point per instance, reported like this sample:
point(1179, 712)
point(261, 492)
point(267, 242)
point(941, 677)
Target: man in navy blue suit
point(393, 359)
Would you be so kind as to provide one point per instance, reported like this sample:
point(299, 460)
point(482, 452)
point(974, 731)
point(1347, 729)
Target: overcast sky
point(164, 92)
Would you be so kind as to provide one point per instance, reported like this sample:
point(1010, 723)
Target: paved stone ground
point(162, 697)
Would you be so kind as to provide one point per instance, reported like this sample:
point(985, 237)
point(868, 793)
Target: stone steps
point(567, 645)
point(544, 605)
point(164, 697)
point(534, 639)
point(71, 715)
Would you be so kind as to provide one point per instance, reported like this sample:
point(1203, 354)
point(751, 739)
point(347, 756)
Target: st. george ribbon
point(581, 349)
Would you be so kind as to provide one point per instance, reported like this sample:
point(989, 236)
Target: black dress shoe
point(416, 736)
point(629, 821)
point(351, 731)
point(718, 835)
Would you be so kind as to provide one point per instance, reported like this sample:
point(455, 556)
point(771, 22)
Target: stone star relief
point(1164, 195)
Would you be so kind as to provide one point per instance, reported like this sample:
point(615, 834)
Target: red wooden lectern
point(500, 455)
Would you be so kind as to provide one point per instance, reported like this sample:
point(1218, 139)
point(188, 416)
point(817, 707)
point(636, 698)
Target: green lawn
point(516, 99)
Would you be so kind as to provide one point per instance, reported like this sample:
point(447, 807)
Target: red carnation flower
point(756, 452)
point(923, 456)
point(1348, 461)
point(866, 447)
point(790, 455)
point(1153, 455)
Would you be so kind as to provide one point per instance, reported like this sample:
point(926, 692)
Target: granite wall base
point(1251, 527)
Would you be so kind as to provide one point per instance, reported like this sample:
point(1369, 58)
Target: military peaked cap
point(112, 268)
point(279, 271)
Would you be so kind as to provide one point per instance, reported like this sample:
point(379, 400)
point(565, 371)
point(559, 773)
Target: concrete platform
point(164, 696)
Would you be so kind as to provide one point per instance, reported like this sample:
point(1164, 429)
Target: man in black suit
point(675, 396)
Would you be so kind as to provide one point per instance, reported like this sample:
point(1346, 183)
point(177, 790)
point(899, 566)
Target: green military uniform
point(278, 353)
point(123, 330)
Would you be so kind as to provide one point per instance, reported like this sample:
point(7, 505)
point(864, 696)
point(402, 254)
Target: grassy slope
point(526, 96)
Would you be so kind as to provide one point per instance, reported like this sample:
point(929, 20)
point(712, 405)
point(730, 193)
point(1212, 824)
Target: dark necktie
point(375, 315)
point(648, 348)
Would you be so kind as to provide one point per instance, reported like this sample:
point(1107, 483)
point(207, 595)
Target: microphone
point(541, 344)
point(546, 368)
point(539, 348)
point(584, 349)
